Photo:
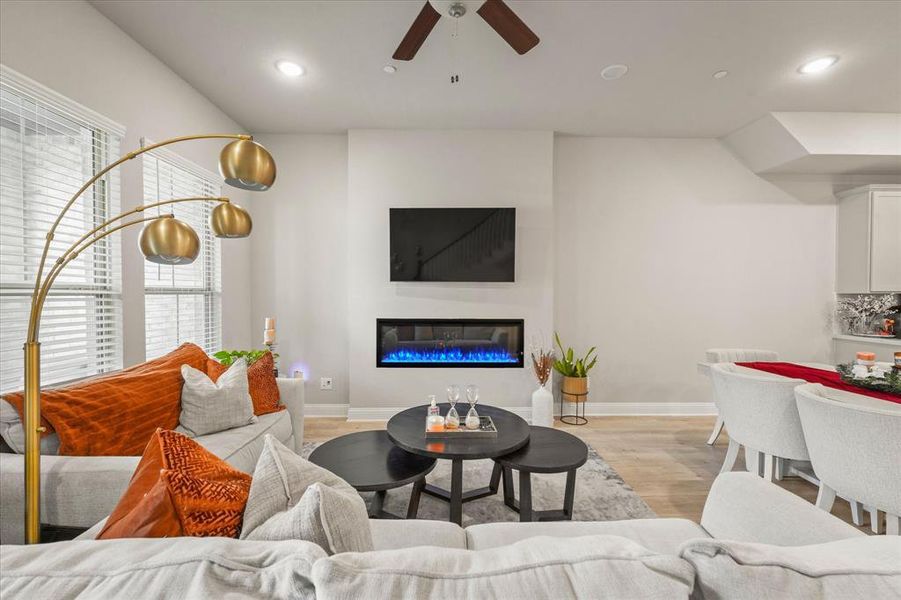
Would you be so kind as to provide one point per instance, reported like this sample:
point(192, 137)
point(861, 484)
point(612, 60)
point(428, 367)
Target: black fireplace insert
point(480, 343)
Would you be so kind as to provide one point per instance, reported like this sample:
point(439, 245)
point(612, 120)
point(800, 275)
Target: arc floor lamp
point(243, 164)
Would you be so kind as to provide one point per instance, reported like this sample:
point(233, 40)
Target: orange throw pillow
point(179, 489)
point(261, 379)
point(115, 414)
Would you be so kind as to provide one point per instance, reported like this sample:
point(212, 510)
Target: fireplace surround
point(469, 343)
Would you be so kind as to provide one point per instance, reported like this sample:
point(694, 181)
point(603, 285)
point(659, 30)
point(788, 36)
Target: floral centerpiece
point(858, 312)
point(877, 378)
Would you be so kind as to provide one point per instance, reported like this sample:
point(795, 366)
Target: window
point(49, 146)
point(182, 303)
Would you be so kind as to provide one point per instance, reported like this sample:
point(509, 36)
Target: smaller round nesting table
point(369, 462)
point(549, 451)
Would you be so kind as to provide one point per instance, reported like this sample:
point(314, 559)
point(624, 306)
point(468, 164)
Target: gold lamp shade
point(168, 241)
point(247, 165)
point(229, 220)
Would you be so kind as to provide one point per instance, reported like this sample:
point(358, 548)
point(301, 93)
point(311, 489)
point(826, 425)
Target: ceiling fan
point(498, 15)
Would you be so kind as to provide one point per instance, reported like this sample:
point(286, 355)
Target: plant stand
point(575, 418)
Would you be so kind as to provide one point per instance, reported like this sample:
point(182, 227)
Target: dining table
point(802, 468)
point(836, 394)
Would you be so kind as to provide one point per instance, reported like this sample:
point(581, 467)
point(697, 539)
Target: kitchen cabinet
point(868, 240)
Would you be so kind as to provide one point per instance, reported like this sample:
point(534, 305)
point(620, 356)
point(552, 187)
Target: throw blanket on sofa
point(115, 414)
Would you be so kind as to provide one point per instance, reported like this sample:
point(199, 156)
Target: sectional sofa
point(78, 491)
point(755, 540)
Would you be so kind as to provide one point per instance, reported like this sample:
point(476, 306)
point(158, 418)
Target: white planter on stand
point(543, 407)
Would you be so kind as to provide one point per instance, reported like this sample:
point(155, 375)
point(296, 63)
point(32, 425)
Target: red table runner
point(828, 378)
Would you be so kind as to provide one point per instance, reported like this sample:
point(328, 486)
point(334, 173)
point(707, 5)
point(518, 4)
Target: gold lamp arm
point(78, 247)
point(101, 173)
point(32, 348)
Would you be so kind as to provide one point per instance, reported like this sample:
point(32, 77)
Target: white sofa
point(755, 540)
point(78, 491)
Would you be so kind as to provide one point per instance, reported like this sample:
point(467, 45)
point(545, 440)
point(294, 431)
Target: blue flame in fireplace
point(449, 355)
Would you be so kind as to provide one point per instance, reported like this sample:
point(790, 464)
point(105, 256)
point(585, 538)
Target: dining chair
point(760, 413)
point(727, 355)
point(855, 451)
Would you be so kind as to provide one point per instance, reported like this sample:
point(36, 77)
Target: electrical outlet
point(325, 383)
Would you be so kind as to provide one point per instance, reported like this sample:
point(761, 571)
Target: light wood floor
point(664, 459)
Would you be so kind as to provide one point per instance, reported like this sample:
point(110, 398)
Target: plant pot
point(543, 407)
point(574, 389)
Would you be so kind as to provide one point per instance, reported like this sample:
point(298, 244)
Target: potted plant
point(574, 371)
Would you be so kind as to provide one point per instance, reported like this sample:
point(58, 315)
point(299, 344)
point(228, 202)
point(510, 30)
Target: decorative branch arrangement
point(857, 312)
point(542, 365)
point(542, 359)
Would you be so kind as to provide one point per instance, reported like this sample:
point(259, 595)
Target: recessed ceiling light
point(614, 72)
point(720, 74)
point(389, 69)
point(817, 65)
point(288, 68)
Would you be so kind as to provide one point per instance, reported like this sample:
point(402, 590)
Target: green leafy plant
point(227, 357)
point(569, 366)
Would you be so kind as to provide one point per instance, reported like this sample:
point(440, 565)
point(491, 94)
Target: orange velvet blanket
point(116, 414)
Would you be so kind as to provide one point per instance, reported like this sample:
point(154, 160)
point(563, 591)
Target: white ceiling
point(226, 50)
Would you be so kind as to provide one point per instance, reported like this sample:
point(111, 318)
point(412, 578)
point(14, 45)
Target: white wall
point(74, 50)
point(299, 248)
point(444, 169)
point(667, 247)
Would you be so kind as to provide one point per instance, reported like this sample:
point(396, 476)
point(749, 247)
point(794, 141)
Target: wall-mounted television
point(453, 244)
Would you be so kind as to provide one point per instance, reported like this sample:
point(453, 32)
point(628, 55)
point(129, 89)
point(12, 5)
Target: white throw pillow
point(859, 567)
point(291, 498)
point(598, 566)
point(208, 407)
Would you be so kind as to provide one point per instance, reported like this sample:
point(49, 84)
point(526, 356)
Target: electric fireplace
point(480, 343)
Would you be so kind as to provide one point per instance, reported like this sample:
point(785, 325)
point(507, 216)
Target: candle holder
point(272, 347)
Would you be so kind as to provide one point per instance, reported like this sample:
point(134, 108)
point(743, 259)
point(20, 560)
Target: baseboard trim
point(592, 409)
point(325, 410)
point(650, 409)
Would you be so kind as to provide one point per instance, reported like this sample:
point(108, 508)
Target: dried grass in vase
point(542, 365)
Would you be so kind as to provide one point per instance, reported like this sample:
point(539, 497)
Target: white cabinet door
point(885, 242)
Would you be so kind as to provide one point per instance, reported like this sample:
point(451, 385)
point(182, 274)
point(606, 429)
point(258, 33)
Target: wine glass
point(452, 420)
point(472, 417)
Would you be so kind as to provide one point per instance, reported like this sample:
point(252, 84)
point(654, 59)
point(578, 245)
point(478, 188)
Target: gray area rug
point(601, 494)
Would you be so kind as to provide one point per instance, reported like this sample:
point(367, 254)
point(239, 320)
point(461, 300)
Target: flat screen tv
point(453, 244)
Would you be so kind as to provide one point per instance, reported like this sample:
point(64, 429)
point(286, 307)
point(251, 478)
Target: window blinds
point(49, 146)
point(182, 303)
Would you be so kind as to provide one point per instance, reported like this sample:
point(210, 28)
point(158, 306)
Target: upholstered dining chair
point(727, 355)
point(855, 451)
point(761, 414)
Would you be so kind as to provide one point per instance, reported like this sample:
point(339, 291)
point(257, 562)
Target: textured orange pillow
point(260, 377)
point(115, 414)
point(179, 489)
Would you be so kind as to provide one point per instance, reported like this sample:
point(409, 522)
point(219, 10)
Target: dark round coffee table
point(549, 451)
point(369, 462)
point(407, 430)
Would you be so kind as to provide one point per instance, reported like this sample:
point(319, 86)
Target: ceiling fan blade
point(418, 32)
point(510, 27)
